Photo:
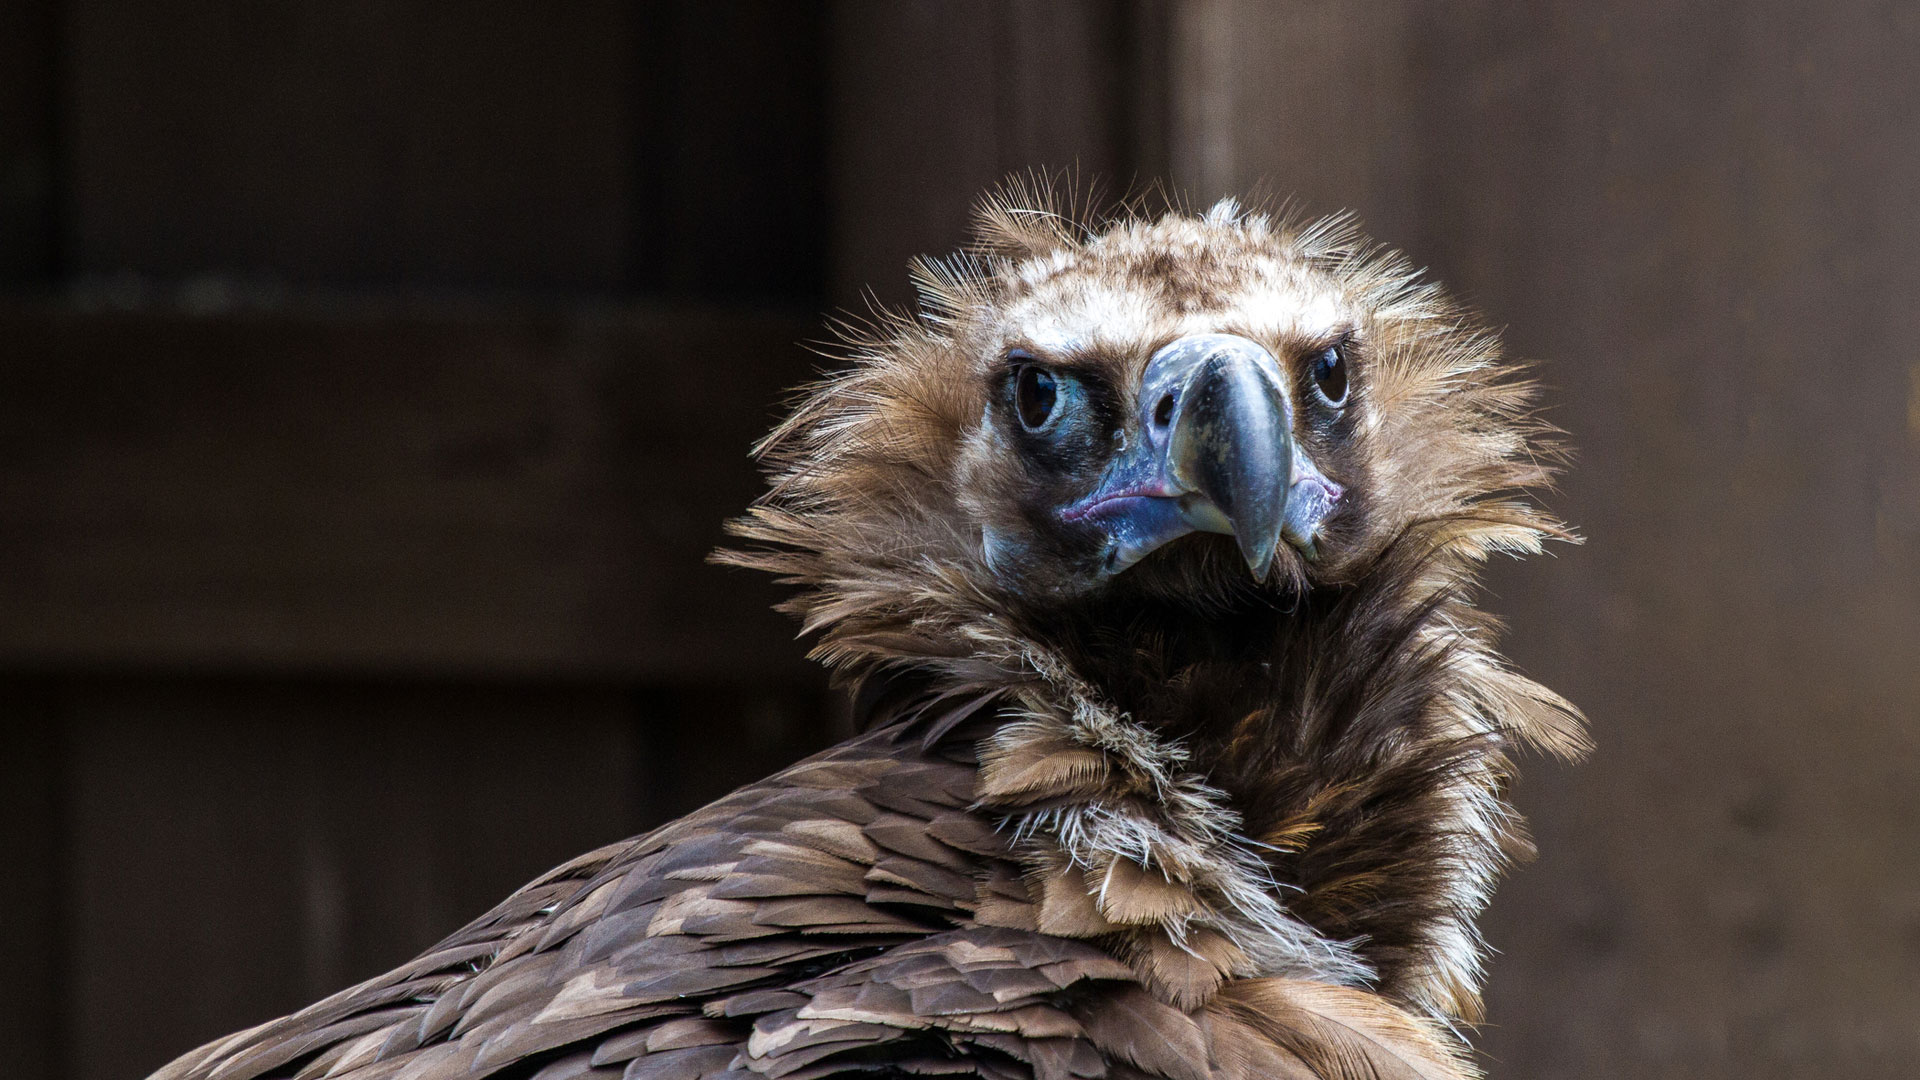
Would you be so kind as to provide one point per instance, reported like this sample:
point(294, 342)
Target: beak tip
point(1259, 555)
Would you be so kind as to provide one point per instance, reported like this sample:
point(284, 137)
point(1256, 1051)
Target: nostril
point(1163, 412)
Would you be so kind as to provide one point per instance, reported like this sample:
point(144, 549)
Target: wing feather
point(855, 915)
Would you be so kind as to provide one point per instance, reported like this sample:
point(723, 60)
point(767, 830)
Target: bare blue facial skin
point(1212, 451)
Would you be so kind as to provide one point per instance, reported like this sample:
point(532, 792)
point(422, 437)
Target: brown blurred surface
point(482, 491)
point(373, 381)
point(1705, 220)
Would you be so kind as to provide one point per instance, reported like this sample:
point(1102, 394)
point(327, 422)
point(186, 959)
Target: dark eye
point(1330, 375)
point(1035, 395)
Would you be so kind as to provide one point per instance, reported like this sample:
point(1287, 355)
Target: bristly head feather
point(891, 481)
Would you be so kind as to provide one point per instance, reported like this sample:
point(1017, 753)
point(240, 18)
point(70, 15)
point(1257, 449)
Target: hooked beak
point(1213, 451)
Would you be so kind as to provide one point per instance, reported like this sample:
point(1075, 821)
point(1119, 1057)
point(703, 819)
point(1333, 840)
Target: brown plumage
point(1124, 808)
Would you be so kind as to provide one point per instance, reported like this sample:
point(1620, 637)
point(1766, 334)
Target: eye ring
point(1036, 396)
point(1329, 371)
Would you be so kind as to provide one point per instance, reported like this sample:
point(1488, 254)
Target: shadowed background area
point(375, 375)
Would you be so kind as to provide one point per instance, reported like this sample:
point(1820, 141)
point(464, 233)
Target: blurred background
point(374, 375)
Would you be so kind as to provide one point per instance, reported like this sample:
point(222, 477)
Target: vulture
point(1147, 546)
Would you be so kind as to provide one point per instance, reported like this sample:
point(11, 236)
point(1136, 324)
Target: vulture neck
point(1314, 788)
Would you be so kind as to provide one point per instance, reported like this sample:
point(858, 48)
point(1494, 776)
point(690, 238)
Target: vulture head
point(1168, 435)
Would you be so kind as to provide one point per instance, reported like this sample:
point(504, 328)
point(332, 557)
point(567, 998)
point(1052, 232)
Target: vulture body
point(1147, 545)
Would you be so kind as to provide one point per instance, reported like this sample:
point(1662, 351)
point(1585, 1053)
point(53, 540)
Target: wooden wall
point(1704, 221)
point(1701, 220)
point(373, 380)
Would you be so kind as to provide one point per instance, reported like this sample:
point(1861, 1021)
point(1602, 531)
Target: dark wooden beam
point(388, 492)
point(729, 150)
point(386, 144)
point(34, 953)
point(29, 76)
point(937, 101)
